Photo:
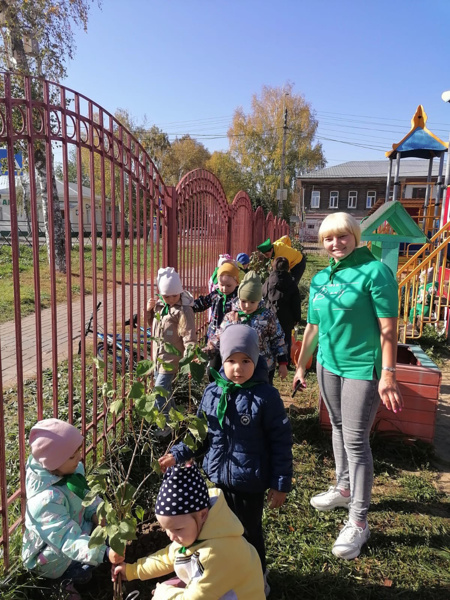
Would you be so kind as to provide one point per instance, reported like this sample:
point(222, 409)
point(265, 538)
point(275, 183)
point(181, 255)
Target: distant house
point(355, 187)
point(5, 214)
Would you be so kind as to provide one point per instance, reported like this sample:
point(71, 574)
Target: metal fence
point(133, 224)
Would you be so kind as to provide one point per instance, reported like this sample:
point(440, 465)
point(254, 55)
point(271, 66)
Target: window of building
point(311, 227)
point(370, 199)
point(315, 199)
point(334, 199)
point(352, 198)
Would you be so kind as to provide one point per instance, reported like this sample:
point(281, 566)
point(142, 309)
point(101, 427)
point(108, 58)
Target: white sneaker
point(350, 541)
point(330, 499)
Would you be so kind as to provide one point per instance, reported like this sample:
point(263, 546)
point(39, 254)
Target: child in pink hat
point(57, 525)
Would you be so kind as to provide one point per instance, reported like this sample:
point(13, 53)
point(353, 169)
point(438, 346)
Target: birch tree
point(37, 39)
point(256, 142)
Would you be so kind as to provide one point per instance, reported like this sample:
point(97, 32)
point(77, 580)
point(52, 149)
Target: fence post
point(170, 254)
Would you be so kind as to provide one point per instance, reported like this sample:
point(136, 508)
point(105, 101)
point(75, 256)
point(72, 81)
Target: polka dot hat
point(182, 491)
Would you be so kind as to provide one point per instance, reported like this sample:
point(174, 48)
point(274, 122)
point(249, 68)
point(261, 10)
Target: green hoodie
point(346, 299)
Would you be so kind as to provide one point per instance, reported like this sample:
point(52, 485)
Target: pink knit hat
point(53, 442)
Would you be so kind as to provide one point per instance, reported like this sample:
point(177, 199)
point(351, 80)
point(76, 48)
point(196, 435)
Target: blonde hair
point(340, 223)
point(182, 324)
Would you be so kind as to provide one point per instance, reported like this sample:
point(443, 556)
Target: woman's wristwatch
point(390, 369)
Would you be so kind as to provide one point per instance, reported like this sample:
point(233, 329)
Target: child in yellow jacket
point(210, 557)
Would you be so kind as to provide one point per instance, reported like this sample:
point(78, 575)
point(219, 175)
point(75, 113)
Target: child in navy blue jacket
point(249, 445)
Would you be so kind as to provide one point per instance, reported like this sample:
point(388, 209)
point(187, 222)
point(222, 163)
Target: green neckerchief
point(359, 256)
point(247, 317)
point(76, 482)
point(183, 549)
point(227, 388)
point(165, 310)
point(224, 298)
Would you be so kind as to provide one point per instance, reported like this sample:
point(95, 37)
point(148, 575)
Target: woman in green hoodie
point(352, 316)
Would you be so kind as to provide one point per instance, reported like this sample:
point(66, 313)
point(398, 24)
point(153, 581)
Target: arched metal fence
point(131, 224)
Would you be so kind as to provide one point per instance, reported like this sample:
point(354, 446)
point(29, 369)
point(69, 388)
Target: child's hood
point(187, 299)
point(221, 521)
point(39, 479)
point(281, 281)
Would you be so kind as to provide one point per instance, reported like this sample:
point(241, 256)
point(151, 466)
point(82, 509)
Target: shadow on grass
point(323, 586)
point(435, 509)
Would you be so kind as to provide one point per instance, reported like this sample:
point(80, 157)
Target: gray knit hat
point(239, 338)
point(251, 287)
point(182, 491)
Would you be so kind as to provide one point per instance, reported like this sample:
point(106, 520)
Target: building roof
point(373, 169)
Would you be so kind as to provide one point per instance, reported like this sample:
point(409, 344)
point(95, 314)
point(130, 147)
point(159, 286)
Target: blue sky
point(188, 64)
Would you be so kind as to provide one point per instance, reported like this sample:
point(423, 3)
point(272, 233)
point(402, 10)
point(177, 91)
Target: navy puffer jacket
point(253, 451)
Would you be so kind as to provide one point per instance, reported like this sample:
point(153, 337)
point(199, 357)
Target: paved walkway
point(8, 354)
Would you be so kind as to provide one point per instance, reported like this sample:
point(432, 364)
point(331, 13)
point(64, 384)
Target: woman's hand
point(275, 498)
point(166, 461)
point(389, 393)
point(300, 375)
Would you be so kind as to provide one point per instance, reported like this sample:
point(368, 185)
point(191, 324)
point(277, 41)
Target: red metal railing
point(126, 224)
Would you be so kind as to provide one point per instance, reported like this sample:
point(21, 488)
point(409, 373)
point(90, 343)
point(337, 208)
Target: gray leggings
point(352, 405)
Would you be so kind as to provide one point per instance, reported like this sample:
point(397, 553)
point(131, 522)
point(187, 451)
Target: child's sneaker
point(350, 541)
point(330, 499)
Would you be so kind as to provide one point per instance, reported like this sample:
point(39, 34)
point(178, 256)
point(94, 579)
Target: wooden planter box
point(419, 380)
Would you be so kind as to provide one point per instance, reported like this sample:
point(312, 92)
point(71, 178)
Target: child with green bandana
point(249, 445)
point(171, 319)
point(57, 525)
point(249, 309)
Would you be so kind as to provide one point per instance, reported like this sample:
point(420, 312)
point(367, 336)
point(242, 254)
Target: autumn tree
point(229, 172)
point(256, 141)
point(186, 154)
point(37, 39)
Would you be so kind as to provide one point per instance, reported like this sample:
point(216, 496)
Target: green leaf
point(161, 420)
point(127, 529)
point(97, 537)
point(156, 467)
point(116, 407)
point(176, 416)
point(144, 368)
point(159, 391)
point(112, 529)
point(201, 355)
point(171, 349)
point(125, 492)
point(118, 543)
point(137, 390)
point(89, 498)
point(140, 512)
point(106, 387)
point(189, 441)
point(197, 371)
point(167, 366)
point(187, 358)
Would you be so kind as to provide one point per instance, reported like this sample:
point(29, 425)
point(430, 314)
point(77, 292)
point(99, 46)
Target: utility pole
point(283, 153)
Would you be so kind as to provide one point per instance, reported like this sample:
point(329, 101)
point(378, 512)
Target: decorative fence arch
point(241, 230)
point(270, 226)
point(128, 223)
point(259, 229)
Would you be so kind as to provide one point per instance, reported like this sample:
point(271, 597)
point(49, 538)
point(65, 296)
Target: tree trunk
point(58, 227)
